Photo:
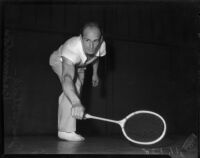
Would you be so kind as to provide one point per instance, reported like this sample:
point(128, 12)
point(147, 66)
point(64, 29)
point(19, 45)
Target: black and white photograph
point(100, 78)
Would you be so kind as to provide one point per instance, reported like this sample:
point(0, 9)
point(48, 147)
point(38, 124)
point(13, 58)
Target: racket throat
point(122, 122)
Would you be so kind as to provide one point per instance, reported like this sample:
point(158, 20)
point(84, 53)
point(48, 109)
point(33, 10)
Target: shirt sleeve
point(69, 54)
point(102, 50)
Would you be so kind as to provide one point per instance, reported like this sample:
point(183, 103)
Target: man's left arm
point(95, 77)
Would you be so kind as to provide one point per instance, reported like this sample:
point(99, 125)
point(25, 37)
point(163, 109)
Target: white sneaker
point(71, 136)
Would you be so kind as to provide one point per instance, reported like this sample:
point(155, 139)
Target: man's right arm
point(68, 74)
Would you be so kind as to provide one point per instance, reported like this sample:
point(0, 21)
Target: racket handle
point(88, 116)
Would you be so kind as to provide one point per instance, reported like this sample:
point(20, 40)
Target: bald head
point(92, 26)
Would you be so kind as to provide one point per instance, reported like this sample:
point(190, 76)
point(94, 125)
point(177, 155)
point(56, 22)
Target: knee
point(60, 98)
point(57, 68)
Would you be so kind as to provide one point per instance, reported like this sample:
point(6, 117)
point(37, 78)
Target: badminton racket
point(141, 127)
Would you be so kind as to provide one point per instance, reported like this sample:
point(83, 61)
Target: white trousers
point(67, 123)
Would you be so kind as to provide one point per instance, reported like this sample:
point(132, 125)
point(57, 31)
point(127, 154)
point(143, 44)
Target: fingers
point(95, 83)
point(77, 111)
point(95, 80)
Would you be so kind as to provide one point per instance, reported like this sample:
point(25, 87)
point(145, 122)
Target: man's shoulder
point(70, 49)
point(73, 41)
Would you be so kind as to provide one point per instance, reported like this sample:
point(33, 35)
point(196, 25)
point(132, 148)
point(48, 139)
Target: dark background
point(151, 63)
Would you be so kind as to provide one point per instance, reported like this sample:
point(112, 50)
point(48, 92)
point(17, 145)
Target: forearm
point(70, 91)
point(95, 67)
point(77, 110)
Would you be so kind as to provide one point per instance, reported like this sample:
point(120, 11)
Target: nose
point(91, 45)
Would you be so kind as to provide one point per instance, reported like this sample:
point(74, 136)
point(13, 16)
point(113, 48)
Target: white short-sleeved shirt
point(72, 49)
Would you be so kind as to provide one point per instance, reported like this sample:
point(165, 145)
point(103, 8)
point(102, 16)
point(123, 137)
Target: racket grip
point(85, 116)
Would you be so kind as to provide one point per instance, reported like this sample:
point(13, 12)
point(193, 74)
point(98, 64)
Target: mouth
point(90, 55)
point(90, 51)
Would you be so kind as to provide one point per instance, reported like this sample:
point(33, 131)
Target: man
point(69, 63)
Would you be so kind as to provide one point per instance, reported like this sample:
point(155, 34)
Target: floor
point(171, 146)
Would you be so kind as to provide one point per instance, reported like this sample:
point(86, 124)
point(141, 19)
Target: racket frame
point(147, 112)
point(123, 121)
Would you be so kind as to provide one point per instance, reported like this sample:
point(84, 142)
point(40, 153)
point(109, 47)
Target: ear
point(101, 40)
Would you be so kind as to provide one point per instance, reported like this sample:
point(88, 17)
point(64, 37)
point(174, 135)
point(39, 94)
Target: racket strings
point(144, 127)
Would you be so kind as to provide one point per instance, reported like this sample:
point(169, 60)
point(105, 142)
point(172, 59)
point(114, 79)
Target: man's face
point(91, 40)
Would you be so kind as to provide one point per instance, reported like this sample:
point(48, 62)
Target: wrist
point(75, 102)
point(95, 73)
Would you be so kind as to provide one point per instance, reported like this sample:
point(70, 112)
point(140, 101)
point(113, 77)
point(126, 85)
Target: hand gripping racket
point(141, 127)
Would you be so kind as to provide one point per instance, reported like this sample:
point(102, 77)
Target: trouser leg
point(66, 123)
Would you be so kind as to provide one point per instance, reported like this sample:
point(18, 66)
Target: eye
point(85, 39)
point(96, 41)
